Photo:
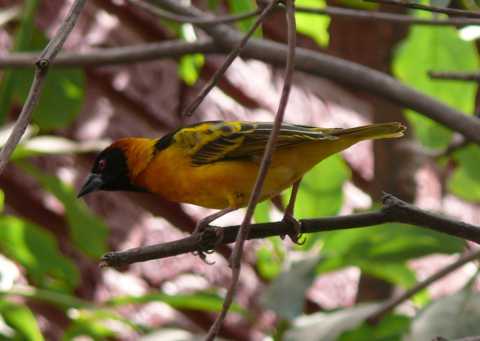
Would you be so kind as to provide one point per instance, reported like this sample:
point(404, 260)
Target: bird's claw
point(208, 235)
point(295, 233)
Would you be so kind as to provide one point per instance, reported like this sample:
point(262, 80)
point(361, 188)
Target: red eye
point(102, 164)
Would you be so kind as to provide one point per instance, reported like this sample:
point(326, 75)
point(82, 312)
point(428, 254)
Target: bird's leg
point(204, 223)
point(296, 226)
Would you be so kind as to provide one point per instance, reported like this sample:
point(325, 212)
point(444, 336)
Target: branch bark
point(394, 211)
point(42, 65)
point(429, 8)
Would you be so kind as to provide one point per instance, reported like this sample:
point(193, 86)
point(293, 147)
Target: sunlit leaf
point(2, 201)
point(262, 212)
point(89, 233)
point(328, 326)
point(37, 251)
point(238, 7)
point(391, 328)
point(295, 282)
point(56, 145)
point(438, 49)
point(21, 320)
point(451, 317)
point(314, 26)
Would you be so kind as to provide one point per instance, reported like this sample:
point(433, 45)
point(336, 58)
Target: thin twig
point(430, 8)
point(262, 173)
point(394, 302)
point(41, 70)
point(455, 75)
point(189, 110)
point(386, 17)
point(208, 20)
point(394, 211)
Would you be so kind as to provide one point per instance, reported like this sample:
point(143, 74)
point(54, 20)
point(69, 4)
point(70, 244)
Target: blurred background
point(51, 287)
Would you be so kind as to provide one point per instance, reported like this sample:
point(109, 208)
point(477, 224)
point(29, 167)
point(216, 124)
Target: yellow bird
point(215, 164)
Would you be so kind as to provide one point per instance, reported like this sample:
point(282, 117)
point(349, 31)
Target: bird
point(214, 164)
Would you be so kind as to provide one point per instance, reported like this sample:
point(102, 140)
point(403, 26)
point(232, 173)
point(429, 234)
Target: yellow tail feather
point(373, 131)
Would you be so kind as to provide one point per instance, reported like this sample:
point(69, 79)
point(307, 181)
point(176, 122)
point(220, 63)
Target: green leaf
point(22, 320)
point(89, 233)
point(383, 250)
point(451, 317)
point(22, 43)
point(329, 326)
point(2, 201)
point(436, 48)
point(391, 328)
point(286, 294)
point(262, 212)
point(320, 192)
point(270, 258)
point(465, 181)
point(238, 7)
point(37, 251)
point(189, 68)
point(312, 25)
point(198, 301)
point(62, 95)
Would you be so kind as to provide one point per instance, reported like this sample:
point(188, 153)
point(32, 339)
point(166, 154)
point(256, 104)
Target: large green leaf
point(329, 326)
point(465, 181)
point(286, 294)
point(438, 49)
point(312, 25)
point(451, 317)
point(62, 95)
point(383, 250)
point(21, 320)
point(320, 192)
point(88, 232)
point(22, 43)
point(37, 251)
point(391, 328)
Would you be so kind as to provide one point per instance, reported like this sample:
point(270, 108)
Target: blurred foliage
point(50, 263)
point(436, 49)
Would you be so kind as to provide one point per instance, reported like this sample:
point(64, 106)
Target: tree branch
point(207, 20)
point(386, 17)
point(394, 211)
point(42, 65)
point(392, 303)
point(429, 8)
point(455, 75)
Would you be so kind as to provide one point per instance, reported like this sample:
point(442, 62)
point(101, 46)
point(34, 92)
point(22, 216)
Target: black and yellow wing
point(208, 142)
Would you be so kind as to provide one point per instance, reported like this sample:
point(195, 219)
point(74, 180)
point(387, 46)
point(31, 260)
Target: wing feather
point(215, 141)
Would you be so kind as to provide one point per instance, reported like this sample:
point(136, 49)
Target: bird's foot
point(295, 231)
point(210, 238)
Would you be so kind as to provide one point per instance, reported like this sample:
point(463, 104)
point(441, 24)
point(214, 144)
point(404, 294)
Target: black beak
point(94, 183)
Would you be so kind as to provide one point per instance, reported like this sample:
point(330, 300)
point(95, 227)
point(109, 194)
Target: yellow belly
point(227, 183)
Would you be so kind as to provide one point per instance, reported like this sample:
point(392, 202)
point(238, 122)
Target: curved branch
point(394, 211)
